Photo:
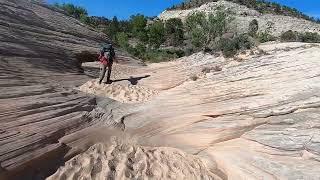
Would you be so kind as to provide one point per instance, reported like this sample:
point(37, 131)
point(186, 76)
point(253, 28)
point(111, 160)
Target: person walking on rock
point(106, 57)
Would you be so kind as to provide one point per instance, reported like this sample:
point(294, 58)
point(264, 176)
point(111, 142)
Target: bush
point(230, 46)
point(265, 37)
point(195, 25)
point(309, 37)
point(253, 28)
point(138, 25)
point(156, 33)
point(293, 36)
point(289, 36)
point(202, 30)
point(174, 31)
point(72, 10)
point(194, 77)
point(112, 28)
point(123, 40)
point(244, 41)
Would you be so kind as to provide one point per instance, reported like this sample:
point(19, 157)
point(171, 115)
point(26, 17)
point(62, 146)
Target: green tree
point(195, 26)
point(156, 34)
point(123, 40)
point(112, 29)
point(174, 31)
point(138, 25)
point(204, 30)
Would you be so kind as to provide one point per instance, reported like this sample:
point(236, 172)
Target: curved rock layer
point(254, 118)
point(38, 65)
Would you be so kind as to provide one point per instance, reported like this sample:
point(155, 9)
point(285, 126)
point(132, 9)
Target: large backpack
point(107, 48)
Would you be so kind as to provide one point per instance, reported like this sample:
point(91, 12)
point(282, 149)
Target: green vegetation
point(156, 33)
point(72, 10)
point(253, 28)
point(231, 46)
point(174, 32)
point(266, 36)
point(289, 36)
point(309, 37)
point(293, 36)
point(154, 40)
point(203, 30)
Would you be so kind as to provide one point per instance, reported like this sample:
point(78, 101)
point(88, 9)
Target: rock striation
point(38, 70)
point(252, 117)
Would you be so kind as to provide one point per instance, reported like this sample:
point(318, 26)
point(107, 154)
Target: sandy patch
point(125, 93)
point(123, 160)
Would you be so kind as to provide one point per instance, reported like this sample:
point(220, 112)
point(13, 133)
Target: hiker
point(106, 59)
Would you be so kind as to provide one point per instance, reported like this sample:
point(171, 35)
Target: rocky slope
point(243, 16)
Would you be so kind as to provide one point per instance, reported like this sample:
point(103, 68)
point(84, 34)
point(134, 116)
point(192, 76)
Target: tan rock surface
point(38, 70)
point(256, 119)
point(252, 119)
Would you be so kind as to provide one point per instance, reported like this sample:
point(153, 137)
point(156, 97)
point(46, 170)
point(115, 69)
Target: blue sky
point(124, 8)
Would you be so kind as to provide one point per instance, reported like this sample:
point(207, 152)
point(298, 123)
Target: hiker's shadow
point(132, 80)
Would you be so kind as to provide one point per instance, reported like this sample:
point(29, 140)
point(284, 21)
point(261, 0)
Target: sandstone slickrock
point(38, 45)
point(252, 119)
point(243, 16)
point(255, 119)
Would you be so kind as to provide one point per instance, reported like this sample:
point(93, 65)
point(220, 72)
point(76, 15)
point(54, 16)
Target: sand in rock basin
point(122, 160)
point(125, 93)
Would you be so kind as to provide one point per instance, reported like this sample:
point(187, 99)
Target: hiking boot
point(109, 82)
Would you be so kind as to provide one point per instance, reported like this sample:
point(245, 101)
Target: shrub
point(138, 25)
point(230, 46)
point(265, 37)
point(309, 37)
point(289, 36)
point(123, 40)
point(195, 29)
point(72, 10)
point(202, 30)
point(194, 77)
point(244, 41)
point(253, 28)
point(156, 33)
point(112, 28)
point(174, 31)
